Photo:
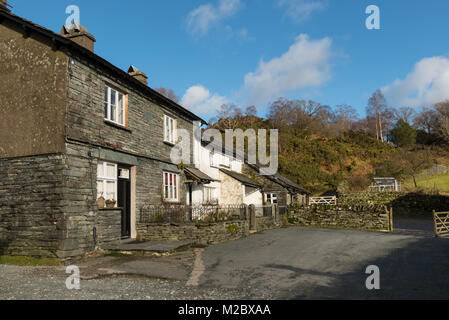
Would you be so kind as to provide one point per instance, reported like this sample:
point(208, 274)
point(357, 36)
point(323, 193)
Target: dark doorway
point(124, 199)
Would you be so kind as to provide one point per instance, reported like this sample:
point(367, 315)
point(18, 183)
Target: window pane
point(111, 171)
point(106, 110)
point(113, 106)
point(166, 193)
point(100, 169)
point(111, 189)
point(175, 187)
point(167, 129)
point(100, 189)
point(121, 106)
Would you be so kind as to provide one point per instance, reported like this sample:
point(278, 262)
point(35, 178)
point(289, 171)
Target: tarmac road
point(303, 263)
point(290, 263)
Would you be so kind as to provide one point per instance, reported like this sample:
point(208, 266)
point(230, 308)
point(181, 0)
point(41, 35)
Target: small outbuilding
point(385, 185)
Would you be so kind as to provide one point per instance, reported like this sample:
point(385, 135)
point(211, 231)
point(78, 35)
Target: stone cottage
point(277, 189)
point(75, 129)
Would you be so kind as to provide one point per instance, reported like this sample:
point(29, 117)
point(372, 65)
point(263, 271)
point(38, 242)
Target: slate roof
point(60, 41)
point(283, 181)
point(385, 181)
point(242, 178)
point(198, 174)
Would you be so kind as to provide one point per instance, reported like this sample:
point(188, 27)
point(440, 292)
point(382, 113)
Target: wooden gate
point(441, 220)
point(323, 200)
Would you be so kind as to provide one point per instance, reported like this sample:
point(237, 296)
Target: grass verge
point(29, 261)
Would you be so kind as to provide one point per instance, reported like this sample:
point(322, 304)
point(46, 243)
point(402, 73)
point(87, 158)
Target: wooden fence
point(441, 220)
point(323, 200)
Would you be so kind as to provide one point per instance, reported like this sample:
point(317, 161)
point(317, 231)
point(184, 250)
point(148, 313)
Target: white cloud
point(300, 10)
point(426, 85)
point(306, 64)
point(199, 100)
point(201, 19)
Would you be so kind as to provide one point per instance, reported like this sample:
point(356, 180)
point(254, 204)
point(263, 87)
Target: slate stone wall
point(32, 220)
point(344, 219)
point(109, 225)
point(408, 204)
point(144, 134)
point(202, 234)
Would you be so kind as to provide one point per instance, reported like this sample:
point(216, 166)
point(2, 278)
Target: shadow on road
point(417, 271)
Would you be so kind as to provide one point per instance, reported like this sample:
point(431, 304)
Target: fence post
point(273, 212)
point(276, 214)
point(252, 218)
point(435, 223)
point(246, 213)
point(391, 220)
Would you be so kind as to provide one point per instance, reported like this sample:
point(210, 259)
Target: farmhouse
point(75, 129)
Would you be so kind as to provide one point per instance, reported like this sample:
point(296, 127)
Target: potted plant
point(101, 202)
point(110, 203)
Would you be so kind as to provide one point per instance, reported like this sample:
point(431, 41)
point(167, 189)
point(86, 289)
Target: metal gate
point(441, 220)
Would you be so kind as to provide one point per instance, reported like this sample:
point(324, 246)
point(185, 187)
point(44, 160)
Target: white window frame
point(170, 190)
point(273, 197)
point(104, 179)
point(209, 195)
point(225, 162)
point(213, 160)
point(169, 129)
point(108, 106)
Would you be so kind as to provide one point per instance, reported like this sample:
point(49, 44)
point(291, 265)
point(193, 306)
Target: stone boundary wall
point(344, 219)
point(203, 233)
point(419, 204)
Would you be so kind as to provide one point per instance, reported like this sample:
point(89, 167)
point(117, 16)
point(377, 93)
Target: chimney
point(137, 74)
point(4, 6)
point(79, 34)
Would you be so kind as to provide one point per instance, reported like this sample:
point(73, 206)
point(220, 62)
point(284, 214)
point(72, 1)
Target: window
point(114, 106)
point(225, 161)
point(209, 195)
point(272, 198)
point(213, 159)
point(107, 180)
point(171, 185)
point(169, 130)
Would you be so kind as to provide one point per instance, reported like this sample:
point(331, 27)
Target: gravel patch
point(31, 283)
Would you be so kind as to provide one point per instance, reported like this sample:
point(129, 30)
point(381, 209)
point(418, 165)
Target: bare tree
point(381, 113)
point(406, 114)
point(345, 117)
point(443, 110)
point(427, 120)
point(169, 93)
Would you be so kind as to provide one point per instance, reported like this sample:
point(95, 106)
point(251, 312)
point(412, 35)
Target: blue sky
point(253, 51)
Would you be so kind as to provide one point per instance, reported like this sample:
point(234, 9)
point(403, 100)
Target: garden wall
point(202, 233)
point(374, 220)
point(402, 203)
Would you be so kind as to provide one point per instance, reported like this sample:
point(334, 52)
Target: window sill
point(117, 126)
point(172, 202)
point(169, 143)
point(111, 209)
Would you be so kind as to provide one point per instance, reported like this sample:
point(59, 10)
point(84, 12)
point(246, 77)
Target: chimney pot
point(137, 74)
point(80, 35)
